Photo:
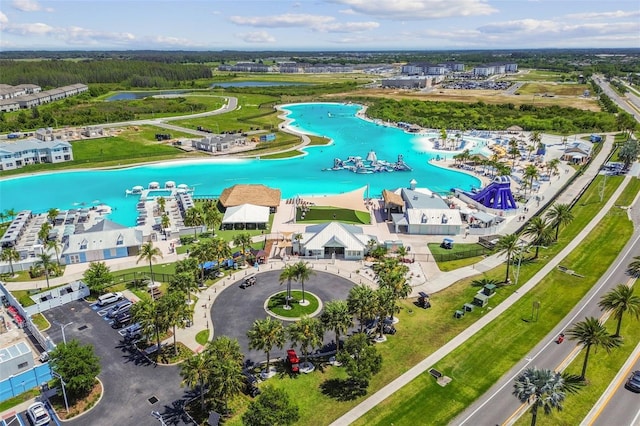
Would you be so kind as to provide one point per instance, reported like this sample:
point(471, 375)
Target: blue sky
point(317, 24)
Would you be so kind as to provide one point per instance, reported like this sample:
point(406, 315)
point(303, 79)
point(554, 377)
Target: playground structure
point(496, 195)
point(370, 165)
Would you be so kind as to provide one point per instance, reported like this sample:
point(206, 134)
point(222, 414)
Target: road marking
point(614, 269)
point(615, 389)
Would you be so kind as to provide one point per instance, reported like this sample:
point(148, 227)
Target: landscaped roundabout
point(296, 307)
point(235, 309)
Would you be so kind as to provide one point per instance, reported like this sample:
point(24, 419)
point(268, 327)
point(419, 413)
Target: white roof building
point(105, 240)
point(248, 216)
point(335, 239)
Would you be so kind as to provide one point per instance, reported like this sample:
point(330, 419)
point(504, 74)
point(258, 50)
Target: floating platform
point(369, 165)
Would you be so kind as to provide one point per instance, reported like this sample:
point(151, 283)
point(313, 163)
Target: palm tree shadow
point(343, 390)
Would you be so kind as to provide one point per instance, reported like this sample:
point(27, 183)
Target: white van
point(109, 298)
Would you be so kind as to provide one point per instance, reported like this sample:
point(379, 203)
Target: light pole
point(159, 417)
point(64, 392)
point(62, 326)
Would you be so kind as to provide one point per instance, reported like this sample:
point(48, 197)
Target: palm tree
point(195, 372)
point(176, 312)
point(183, 282)
point(151, 316)
point(307, 332)
point(165, 222)
point(508, 245)
point(619, 301)
point(539, 232)
point(161, 201)
point(201, 253)
point(220, 250)
point(361, 303)
point(55, 245)
point(193, 217)
point(10, 255)
point(52, 214)
point(44, 260)
point(634, 267)
point(243, 240)
point(559, 215)
point(225, 375)
point(211, 216)
point(385, 305)
point(531, 173)
point(303, 272)
point(543, 388)
point(265, 334)
point(481, 282)
point(150, 253)
point(11, 213)
point(553, 165)
point(43, 233)
point(591, 332)
point(401, 252)
point(337, 318)
point(288, 274)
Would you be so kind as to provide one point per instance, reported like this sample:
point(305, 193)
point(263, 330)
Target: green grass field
point(558, 89)
point(321, 214)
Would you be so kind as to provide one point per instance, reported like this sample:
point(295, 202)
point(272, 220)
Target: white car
point(109, 298)
point(38, 414)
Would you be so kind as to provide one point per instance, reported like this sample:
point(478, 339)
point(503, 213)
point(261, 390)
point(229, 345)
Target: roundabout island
point(235, 308)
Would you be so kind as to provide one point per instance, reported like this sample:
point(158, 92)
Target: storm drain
point(84, 327)
point(153, 399)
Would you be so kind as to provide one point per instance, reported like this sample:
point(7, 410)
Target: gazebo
point(257, 195)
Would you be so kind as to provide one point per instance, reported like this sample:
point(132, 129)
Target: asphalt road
point(621, 102)
point(129, 379)
point(235, 309)
point(498, 405)
point(623, 406)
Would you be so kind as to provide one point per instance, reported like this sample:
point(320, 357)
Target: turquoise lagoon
point(304, 175)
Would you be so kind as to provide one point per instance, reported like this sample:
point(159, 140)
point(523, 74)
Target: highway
point(620, 101)
point(498, 405)
point(622, 404)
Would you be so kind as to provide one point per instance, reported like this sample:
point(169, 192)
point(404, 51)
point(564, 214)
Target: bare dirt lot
point(470, 96)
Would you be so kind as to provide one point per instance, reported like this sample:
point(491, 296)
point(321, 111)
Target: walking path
point(457, 341)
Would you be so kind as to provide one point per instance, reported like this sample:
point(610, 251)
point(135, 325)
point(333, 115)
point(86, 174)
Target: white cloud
point(169, 41)
point(257, 37)
point(418, 9)
point(3, 18)
point(29, 6)
point(605, 15)
point(347, 27)
point(278, 21)
point(320, 23)
point(36, 28)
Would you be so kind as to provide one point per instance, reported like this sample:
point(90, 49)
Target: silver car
point(38, 414)
point(120, 307)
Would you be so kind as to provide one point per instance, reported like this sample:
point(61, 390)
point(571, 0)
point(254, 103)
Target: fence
point(140, 277)
point(20, 383)
point(445, 257)
point(55, 297)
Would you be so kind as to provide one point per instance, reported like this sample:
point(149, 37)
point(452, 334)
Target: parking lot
point(133, 386)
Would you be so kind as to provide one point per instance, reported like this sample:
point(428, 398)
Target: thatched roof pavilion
point(258, 195)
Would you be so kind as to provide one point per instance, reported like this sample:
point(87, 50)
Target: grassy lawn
point(451, 265)
point(202, 337)
point(321, 214)
point(537, 75)
point(553, 88)
point(459, 256)
point(511, 332)
point(19, 399)
point(40, 321)
point(278, 300)
point(280, 155)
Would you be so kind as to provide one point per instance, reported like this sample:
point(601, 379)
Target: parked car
point(109, 298)
point(121, 319)
point(293, 360)
point(134, 332)
point(38, 414)
point(633, 383)
point(120, 307)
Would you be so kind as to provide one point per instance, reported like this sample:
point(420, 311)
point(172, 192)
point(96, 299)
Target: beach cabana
point(257, 195)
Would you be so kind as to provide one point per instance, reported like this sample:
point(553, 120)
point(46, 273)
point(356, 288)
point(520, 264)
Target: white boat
point(135, 190)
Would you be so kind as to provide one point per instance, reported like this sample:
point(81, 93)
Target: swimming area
point(304, 175)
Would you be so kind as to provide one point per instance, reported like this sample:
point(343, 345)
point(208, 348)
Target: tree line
point(134, 73)
point(479, 115)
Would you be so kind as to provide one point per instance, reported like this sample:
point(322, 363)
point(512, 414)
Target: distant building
point(407, 82)
point(245, 67)
point(32, 95)
point(217, 143)
point(432, 69)
point(495, 68)
point(14, 155)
